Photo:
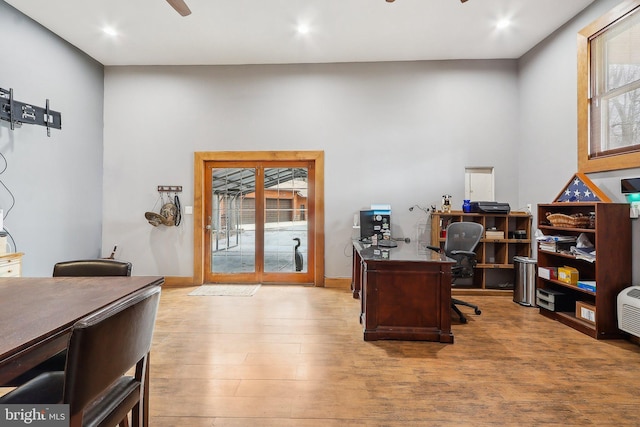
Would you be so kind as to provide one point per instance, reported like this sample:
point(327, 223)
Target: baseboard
point(337, 282)
point(178, 281)
point(184, 281)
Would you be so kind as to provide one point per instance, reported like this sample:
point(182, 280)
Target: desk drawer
point(10, 268)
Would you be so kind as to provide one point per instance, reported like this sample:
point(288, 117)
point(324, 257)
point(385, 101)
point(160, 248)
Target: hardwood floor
point(294, 356)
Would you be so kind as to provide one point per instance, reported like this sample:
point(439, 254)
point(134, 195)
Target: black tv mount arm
point(20, 112)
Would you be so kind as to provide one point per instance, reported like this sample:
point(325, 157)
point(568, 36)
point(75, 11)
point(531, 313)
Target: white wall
point(548, 120)
point(56, 181)
point(398, 133)
point(424, 121)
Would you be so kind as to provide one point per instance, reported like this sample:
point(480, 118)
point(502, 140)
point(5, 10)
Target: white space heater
point(629, 310)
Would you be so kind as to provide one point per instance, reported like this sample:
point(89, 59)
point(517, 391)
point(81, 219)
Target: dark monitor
point(630, 185)
point(366, 224)
point(374, 222)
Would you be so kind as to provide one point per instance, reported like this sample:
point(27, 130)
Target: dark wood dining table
point(37, 315)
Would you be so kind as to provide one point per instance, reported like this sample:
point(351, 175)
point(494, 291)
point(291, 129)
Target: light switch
point(188, 210)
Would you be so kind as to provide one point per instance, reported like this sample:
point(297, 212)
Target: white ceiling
point(264, 31)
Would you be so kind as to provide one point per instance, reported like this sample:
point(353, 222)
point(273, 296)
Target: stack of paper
point(587, 254)
point(547, 246)
point(556, 243)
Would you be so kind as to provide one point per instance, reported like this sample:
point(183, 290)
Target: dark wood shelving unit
point(494, 272)
point(611, 270)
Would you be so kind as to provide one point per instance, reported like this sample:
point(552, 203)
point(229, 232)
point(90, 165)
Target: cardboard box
point(588, 285)
point(493, 234)
point(586, 312)
point(568, 275)
point(549, 273)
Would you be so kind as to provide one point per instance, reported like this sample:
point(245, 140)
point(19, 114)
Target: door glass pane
point(285, 228)
point(233, 220)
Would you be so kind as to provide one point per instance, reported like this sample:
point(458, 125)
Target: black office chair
point(462, 238)
point(103, 348)
point(76, 268)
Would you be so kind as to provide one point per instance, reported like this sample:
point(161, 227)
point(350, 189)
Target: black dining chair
point(103, 349)
point(92, 267)
point(76, 268)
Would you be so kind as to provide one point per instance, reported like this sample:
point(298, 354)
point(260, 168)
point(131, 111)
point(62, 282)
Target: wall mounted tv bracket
point(19, 112)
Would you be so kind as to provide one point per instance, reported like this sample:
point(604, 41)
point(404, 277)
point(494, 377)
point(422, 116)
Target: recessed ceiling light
point(303, 29)
point(110, 31)
point(503, 23)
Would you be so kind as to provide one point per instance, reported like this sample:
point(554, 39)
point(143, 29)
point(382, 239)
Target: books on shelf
point(547, 246)
point(559, 246)
point(580, 246)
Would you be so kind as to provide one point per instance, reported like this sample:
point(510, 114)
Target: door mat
point(226, 290)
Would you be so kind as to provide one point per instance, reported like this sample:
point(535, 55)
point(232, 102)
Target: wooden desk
point(37, 315)
point(404, 294)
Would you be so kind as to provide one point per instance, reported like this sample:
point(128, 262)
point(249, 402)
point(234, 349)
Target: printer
point(490, 207)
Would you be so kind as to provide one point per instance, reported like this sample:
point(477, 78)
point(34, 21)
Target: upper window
point(609, 91)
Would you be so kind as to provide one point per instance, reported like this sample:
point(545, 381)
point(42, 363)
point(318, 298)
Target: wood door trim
point(199, 188)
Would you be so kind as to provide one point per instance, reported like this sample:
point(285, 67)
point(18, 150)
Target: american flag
point(578, 191)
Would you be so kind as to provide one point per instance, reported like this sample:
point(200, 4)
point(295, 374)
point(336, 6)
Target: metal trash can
point(524, 291)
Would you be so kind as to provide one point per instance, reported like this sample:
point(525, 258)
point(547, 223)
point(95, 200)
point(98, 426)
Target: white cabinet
point(11, 265)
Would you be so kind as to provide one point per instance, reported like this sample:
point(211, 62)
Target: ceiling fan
point(180, 6)
point(391, 1)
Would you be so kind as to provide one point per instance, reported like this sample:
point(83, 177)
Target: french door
point(259, 219)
